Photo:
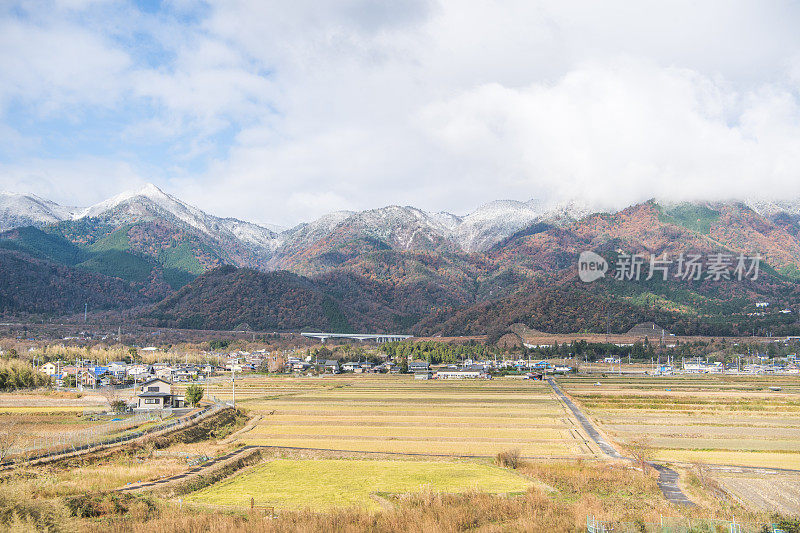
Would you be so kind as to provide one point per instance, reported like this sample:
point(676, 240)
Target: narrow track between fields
point(667, 478)
point(195, 471)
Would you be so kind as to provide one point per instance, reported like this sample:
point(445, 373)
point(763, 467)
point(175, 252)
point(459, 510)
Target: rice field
point(728, 420)
point(326, 484)
point(776, 494)
point(396, 414)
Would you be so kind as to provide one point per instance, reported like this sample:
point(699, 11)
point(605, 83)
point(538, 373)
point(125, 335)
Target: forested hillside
point(229, 298)
point(35, 286)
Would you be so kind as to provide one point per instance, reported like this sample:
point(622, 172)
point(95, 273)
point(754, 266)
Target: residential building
point(49, 368)
point(157, 394)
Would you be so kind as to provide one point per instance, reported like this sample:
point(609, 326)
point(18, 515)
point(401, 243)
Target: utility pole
point(233, 382)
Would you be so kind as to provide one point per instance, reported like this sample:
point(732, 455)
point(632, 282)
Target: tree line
point(15, 375)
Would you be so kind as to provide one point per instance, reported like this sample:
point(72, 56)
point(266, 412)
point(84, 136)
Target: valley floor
point(388, 453)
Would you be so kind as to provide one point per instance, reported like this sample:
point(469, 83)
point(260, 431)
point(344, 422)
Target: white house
point(157, 394)
point(49, 368)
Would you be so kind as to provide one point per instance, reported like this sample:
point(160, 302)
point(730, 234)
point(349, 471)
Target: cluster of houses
point(764, 365)
point(88, 374)
point(422, 370)
point(483, 369)
point(334, 366)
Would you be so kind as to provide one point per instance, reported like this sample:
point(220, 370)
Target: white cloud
point(76, 182)
point(55, 64)
point(298, 108)
point(614, 134)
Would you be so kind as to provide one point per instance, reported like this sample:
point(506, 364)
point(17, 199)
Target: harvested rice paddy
point(396, 414)
point(731, 420)
point(325, 484)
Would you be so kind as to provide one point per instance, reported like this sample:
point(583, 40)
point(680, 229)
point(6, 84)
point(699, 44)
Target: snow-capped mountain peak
point(493, 222)
point(399, 227)
point(17, 209)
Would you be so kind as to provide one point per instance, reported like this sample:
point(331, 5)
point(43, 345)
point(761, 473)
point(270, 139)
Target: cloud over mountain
point(282, 112)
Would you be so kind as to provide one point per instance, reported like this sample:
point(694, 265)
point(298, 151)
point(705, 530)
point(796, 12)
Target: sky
point(279, 112)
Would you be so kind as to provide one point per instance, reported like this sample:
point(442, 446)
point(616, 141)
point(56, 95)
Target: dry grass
point(559, 497)
point(508, 459)
point(558, 502)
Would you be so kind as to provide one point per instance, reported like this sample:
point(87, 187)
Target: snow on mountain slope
point(493, 222)
point(767, 208)
point(567, 212)
point(399, 227)
point(151, 202)
point(251, 234)
point(18, 210)
point(132, 206)
point(447, 220)
point(402, 228)
point(307, 233)
point(299, 238)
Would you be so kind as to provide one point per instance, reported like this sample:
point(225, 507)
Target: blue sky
point(282, 111)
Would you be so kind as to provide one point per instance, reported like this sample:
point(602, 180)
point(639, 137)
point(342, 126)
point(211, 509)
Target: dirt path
point(667, 478)
point(250, 425)
point(204, 468)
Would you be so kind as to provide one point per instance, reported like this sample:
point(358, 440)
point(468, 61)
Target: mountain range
point(402, 228)
point(394, 268)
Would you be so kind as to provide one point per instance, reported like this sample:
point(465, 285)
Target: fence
point(84, 436)
point(86, 439)
point(674, 525)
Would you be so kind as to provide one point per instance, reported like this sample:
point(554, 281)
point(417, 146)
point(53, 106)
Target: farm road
point(667, 478)
point(195, 471)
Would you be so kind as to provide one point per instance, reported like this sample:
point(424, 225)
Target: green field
point(713, 419)
point(325, 484)
point(396, 414)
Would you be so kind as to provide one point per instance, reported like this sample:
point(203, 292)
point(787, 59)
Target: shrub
point(102, 504)
point(508, 458)
point(119, 406)
point(789, 525)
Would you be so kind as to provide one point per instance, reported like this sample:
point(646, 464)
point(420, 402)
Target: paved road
point(667, 478)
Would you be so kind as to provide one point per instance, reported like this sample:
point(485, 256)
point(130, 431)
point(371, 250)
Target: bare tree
point(641, 452)
point(110, 394)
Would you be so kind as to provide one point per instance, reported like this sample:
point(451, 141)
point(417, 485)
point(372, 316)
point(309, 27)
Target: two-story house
point(157, 394)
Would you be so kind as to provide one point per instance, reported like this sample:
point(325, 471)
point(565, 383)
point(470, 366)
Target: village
point(85, 373)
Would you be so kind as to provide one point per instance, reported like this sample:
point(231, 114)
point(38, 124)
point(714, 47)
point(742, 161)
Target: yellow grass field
point(325, 484)
point(729, 420)
point(396, 414)
point(43, 409)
